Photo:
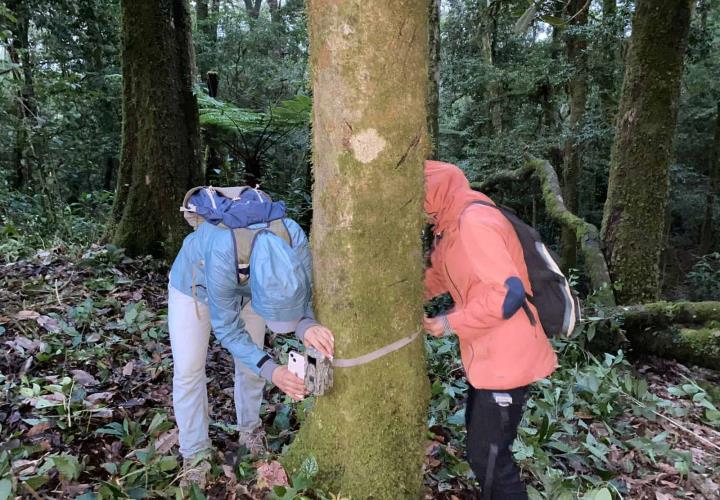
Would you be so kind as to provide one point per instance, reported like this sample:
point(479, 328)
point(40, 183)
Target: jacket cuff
point(267, 369)
point(303, 326)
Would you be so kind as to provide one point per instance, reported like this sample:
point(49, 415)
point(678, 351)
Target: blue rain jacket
point(208, 254)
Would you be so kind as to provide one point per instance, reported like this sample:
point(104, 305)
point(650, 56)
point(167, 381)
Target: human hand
point(320, 338)
point(289, 383)
point(434, 326)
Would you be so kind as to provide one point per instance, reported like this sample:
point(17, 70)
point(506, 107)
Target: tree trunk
point(253, 8)
point(434, 76)
point(274, 6)
point(19, 52)
point(576, 45)
point(213, 158)
point(488, 33)
point(370, 67)
point(708, 232)
point(634, 215)
point(160, 150)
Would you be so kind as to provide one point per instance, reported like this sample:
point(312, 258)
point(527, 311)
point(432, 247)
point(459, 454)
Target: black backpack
point(556, 304)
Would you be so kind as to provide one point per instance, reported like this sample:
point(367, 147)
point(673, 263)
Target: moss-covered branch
point(666, 314)
point(686, 331)
point(587, 234)
point(504, 176)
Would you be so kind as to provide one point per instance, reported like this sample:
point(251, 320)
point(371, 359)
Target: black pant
point(492, 419)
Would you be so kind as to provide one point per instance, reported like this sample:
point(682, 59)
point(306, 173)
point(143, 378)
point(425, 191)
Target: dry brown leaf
point(83, 378)
point(659, 495)
point(38, 429)
point(128, 368)
point(166, 441)
point(271, 474)
point(100, 396)
point(26, 315)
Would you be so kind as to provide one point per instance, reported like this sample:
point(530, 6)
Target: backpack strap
point(244, 239)
point(528, 298)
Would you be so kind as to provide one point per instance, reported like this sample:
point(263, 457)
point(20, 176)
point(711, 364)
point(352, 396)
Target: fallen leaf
point(271, 474)
point(83, 378)
point(38, 429)
point(50, 324)
point(26, 315)
point(229, 473)
point(100, 396)
point(93, 337)
point(132, 402)
point(166, 441)
point(128, 368)
point(24, 467)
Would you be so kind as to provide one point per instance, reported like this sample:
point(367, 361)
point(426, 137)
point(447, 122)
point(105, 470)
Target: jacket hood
point(250, 207)
point(447, 194)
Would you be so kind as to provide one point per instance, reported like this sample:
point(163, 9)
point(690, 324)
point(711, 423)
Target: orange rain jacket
point(476, 251)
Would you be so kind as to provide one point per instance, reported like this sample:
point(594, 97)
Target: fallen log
point(688, 332)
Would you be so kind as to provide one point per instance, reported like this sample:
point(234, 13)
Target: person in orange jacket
point(477, 258)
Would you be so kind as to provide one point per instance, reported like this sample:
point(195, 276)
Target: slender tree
point(20, 54)
point(160, 148)
point(577, 87)
point(369, 77)
point(708, 231)
point(634, 215)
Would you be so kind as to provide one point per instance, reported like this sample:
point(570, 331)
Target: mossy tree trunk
point(369, 62)
point(160, 150)
point(575, 49)
point(634, 215)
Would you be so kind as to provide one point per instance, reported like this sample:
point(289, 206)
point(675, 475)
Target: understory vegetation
point(86, 383)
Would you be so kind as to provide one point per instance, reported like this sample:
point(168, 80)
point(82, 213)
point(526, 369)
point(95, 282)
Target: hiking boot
point(195, 470)
point(254, 441)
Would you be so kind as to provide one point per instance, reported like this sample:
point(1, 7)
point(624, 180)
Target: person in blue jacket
point(208, 292)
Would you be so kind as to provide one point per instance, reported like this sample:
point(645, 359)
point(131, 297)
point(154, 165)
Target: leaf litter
point(86, 373)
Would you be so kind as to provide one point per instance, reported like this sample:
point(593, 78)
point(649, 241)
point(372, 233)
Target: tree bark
point(369, 63)
point(434, 76)
point(160, 150)
point(634, 214)
point(575, 49)
point(708, 231)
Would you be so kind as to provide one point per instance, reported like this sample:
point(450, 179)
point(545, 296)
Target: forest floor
point(86, 412)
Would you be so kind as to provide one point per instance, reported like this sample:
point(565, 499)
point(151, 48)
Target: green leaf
point(6, 489)
point(553, 21)
point(309, 467)
point(67, 465)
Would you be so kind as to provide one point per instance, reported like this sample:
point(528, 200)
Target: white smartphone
point(296, 364)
